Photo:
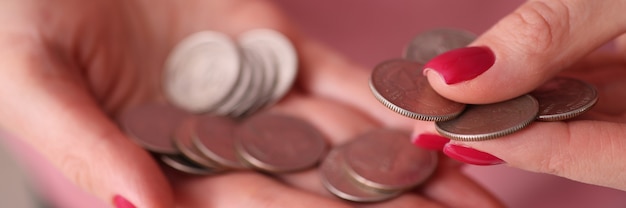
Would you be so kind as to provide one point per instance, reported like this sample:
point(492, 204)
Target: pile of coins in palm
point(215, 86)
point(214, 122)
point(400, 85)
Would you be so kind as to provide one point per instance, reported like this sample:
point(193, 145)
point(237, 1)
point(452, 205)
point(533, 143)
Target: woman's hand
point(69, 66)
point(528, 47)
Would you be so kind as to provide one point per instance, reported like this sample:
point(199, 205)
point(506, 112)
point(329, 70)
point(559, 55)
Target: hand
point(533, 44)
point(69, 66)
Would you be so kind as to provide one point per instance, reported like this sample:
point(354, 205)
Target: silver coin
point(482, 122)
point(201, 71)
point(283, 52)
point(183, 138)
point(152, 126)
point(400, 86)
point(279, 143)
point(430, 44)
point(180, 163)
point(337, 180)
point(214, 138)
point(384, 159)
point(563, 98)
point(253, 91)
point(265, 60)
point(242, 90)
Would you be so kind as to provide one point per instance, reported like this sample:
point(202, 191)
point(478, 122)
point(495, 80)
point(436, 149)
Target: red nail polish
point(121, 202)
point(430, 141)
point(470, 156)
point(462, 64)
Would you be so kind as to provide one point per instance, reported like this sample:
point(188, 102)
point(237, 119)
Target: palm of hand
point(90, 60)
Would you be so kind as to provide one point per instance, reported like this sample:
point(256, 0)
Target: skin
point(70, 66)
point(539, 40)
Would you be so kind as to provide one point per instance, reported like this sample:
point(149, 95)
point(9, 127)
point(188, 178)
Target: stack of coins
point(376, 166)
point(400, 85)
point(209, 144)
point(215, 87)
point(209, 72)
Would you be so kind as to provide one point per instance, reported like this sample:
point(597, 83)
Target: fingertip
point(121, 202)
point(482, 76)
point(462, 64)
point(530, 45)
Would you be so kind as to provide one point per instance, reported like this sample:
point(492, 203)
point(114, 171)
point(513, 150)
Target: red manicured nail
point(462, 64)
point(121, 202)
point(470, 156)
point(430, 141)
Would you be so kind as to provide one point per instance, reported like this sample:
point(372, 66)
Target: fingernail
point(430, 141)
point(462, 64)
point(470, 156)
point(121, 202)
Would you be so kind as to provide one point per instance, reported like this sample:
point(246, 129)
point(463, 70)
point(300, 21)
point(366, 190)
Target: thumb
point(525, 48)
point(47, 104)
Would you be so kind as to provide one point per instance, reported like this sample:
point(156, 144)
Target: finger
point(620, 45)
point(46, 104)
point(450, 182)
point(525, 49)
point(587, 151)
point(246, 190)
point(404, 201)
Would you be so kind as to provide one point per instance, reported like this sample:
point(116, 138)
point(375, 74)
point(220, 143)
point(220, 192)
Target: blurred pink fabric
point(367, 32)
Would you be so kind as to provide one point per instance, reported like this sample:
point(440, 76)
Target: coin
point(283, 52)
point(279, 143)
point(243, 90)
point(385, 159)
point(430, 44)
point(184, 143)
point(152, 126)
point(201, 71)
point(563, 98)
point(400, 86)
point(257, 84)
point(265, 60)
point(339, 182)
point(182, 164)
point(482, 122)
point(214, 138)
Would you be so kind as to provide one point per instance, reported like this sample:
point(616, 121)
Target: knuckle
point(558, 159)
point(542, 24)
point(78, 171)
point(553, 165)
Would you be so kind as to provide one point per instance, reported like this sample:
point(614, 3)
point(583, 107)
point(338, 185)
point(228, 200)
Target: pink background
point(369, 31)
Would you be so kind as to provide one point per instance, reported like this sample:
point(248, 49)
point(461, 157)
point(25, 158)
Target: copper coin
point(430, 44)
point(337, 180)
point(279, 143)
point(563, 98)
point(482, 122)
point(152, 125)
point(214, 138)
point(400, 86)
point(385, 159)
point(183, 140)
point(183, 164)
